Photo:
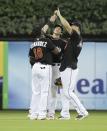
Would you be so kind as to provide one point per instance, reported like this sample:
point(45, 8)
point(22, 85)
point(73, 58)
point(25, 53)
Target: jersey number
point(38, 53)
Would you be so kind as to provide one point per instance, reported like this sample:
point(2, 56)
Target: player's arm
point(65, 23)
point(51, 20)
point(31, 57)
point(53, 48)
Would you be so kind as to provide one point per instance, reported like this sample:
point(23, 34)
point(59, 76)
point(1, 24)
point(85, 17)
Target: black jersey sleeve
point(50, 45)
point(75, 38)
point(77, 43)
point(75, 34)
point(31, 57)
point(31, 52)
point(48, 36)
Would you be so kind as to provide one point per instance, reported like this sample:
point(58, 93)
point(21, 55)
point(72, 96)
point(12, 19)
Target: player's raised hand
point(58, 12)
point(55, 12)
point(53, 18)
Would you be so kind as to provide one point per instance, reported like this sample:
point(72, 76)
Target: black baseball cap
point(58, 25)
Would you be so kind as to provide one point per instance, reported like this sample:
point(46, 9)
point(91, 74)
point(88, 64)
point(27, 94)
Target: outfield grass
point(18, 121)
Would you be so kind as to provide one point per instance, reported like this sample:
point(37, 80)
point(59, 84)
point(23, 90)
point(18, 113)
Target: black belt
point(56, 64)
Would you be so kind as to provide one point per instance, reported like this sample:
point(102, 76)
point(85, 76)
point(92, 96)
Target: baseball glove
point(58, 82)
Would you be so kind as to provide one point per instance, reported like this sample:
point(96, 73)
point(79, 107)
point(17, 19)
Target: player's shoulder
point(75, 34)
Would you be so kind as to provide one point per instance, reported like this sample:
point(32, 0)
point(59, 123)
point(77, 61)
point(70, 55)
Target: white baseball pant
point(69, 77)
point(41, 82)
point(53, 90)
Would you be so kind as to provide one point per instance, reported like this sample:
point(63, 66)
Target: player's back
point(72, 51)
point(41, 50)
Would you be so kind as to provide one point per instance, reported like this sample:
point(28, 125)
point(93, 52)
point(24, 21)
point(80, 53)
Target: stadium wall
point(16, 73)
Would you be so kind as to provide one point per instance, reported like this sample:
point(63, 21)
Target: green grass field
point(18, 121)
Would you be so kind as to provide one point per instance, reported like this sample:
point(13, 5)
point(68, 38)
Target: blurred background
point(19, 20)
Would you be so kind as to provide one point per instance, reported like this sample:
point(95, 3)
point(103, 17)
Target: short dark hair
point(76, 23)
point(58, 25)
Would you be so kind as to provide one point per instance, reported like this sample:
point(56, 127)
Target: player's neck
point(56, 36)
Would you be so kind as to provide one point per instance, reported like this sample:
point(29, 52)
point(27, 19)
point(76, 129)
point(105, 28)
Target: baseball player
point(69, 69)
point(57, 41)
point(40, 55)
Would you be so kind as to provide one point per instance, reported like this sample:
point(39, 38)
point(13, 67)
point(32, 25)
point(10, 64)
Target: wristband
point(49, 23)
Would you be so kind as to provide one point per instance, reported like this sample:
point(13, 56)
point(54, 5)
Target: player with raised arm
point(40, 55)
point(69, 69)
point(61, 44)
